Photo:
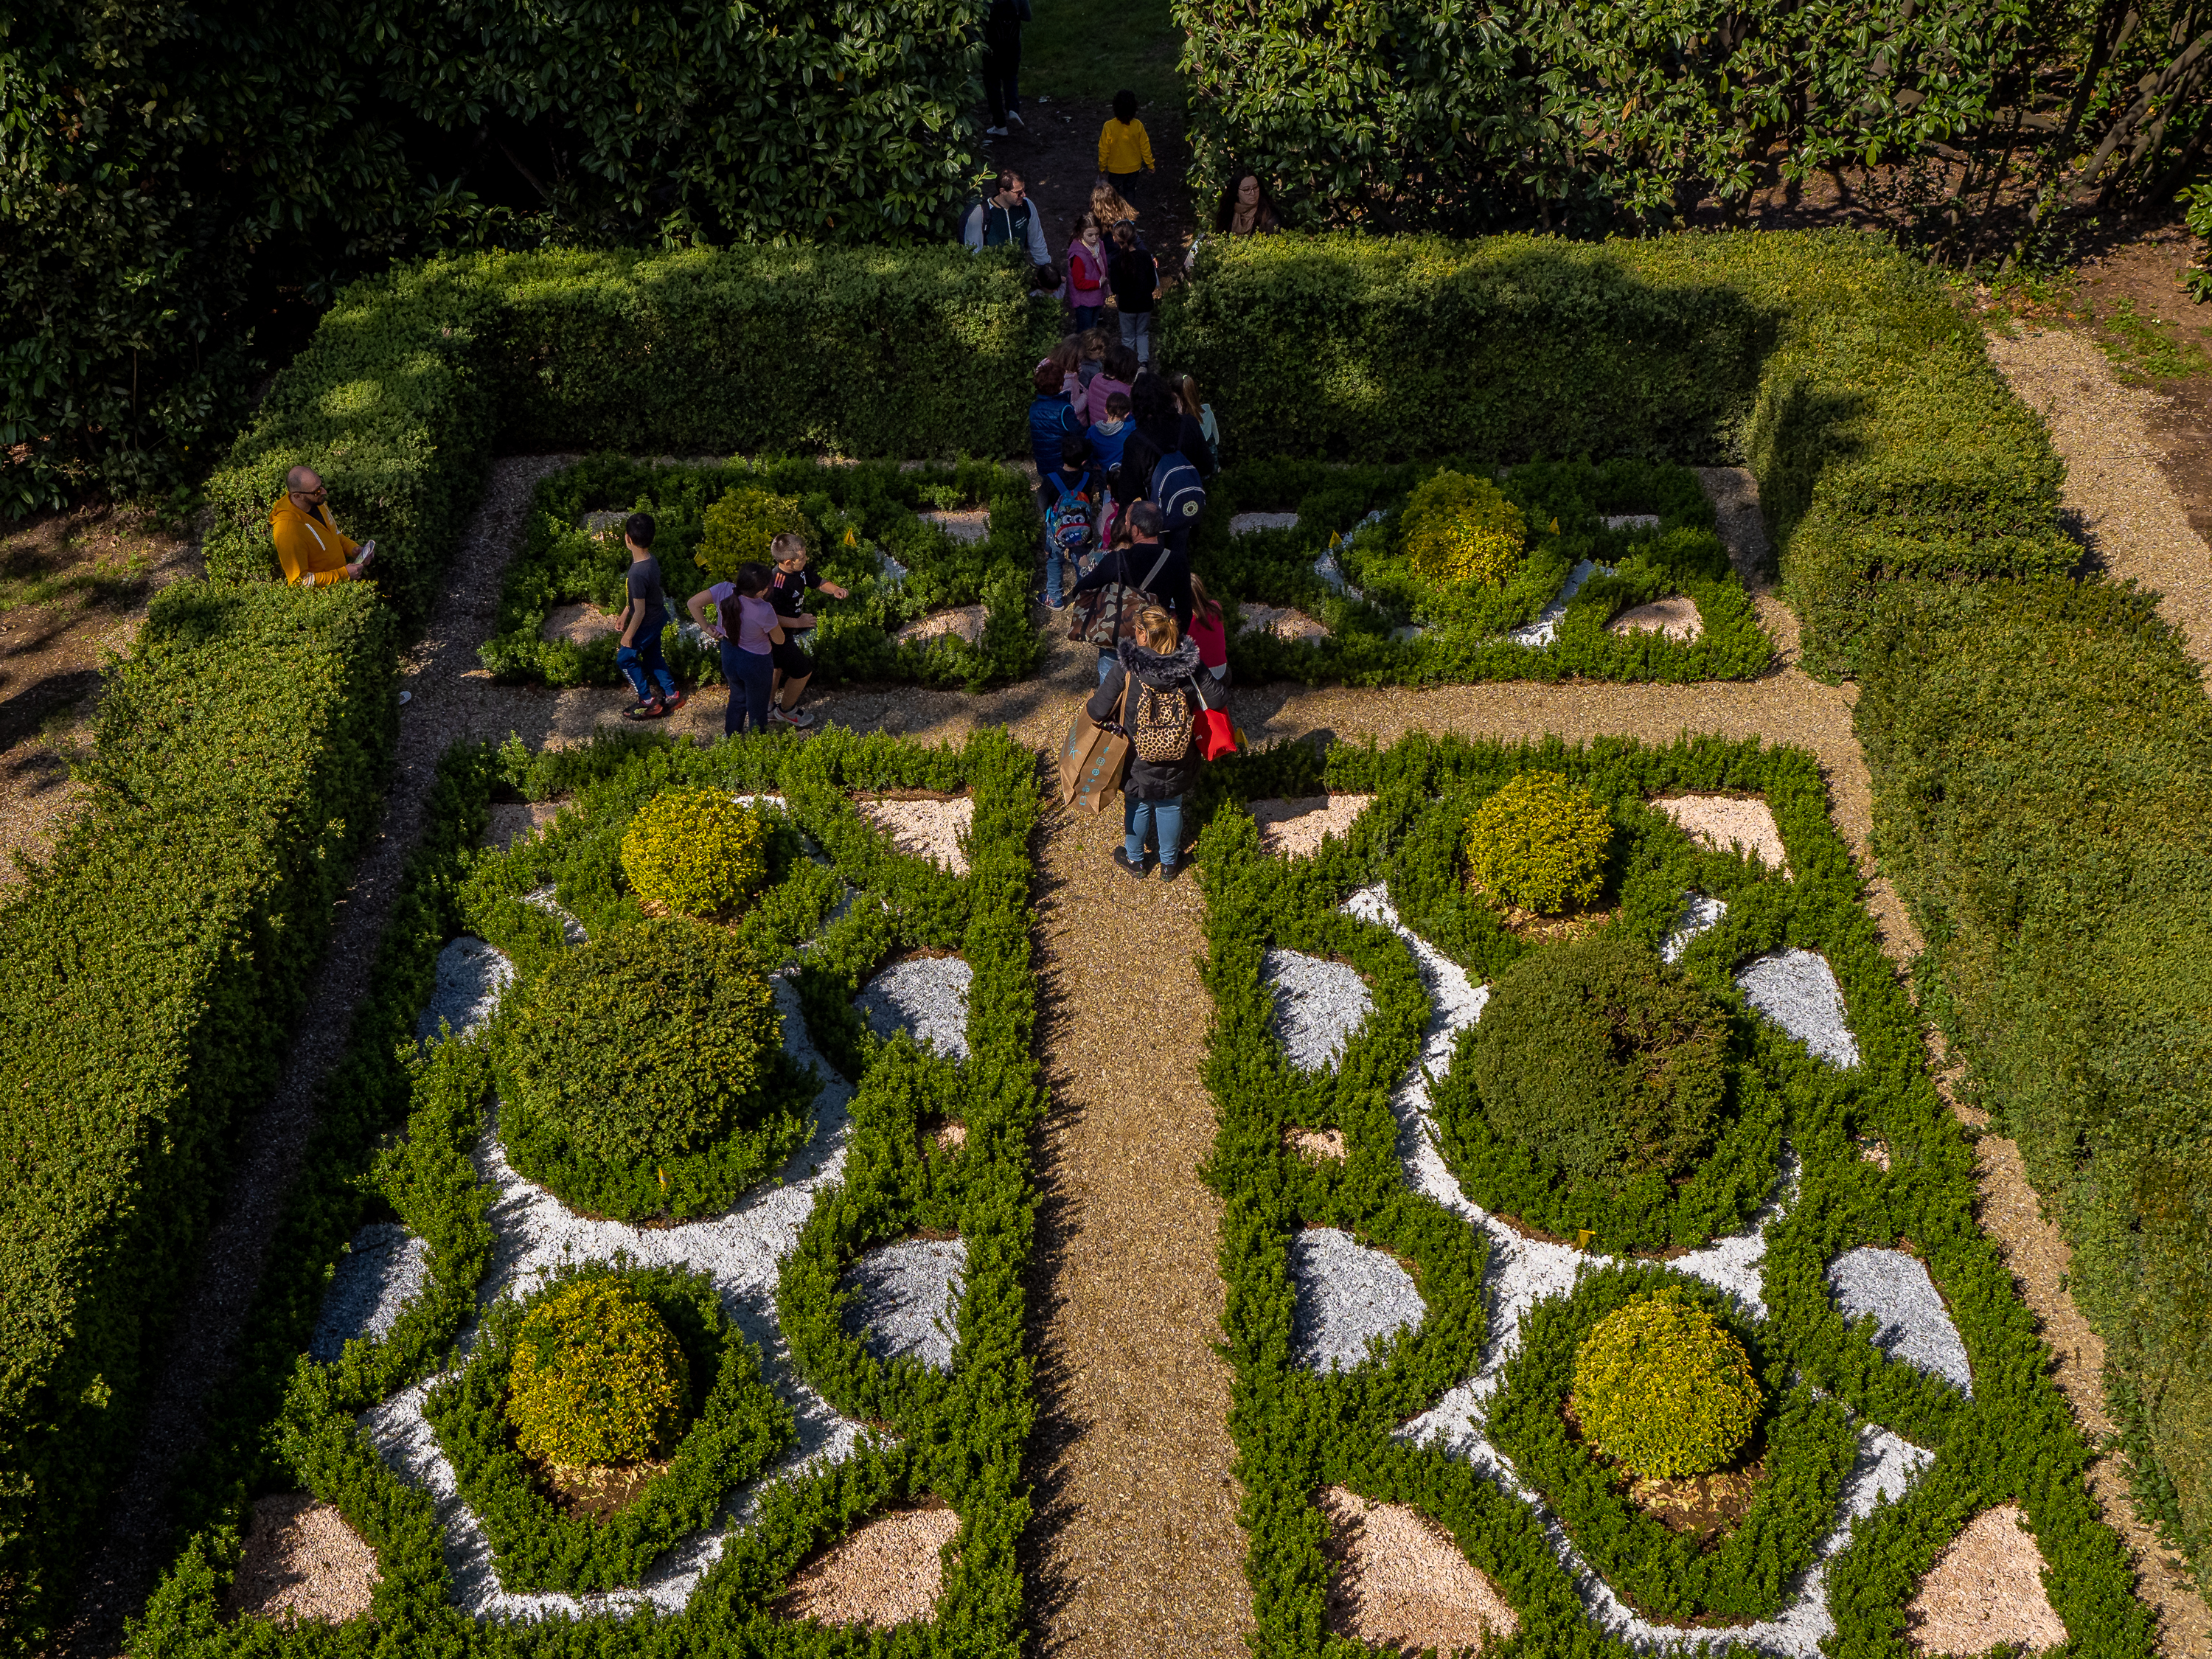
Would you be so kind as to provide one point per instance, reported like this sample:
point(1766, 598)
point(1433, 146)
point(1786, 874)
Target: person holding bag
point(1124, 581)
point(1149, 692)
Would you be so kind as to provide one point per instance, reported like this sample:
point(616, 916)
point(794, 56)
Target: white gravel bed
point(1677, 618)
point(1542, 632)
point(907, 1295)
point(1347, 1296)
point(1327, 567)
point(928, 829)
point(964, 621)
point(571, 929)
point(471, 976)
point(1244, 524)
point(378, 1276)
point(1318, 1005)
point(1405, 631)
point(1911, 1323)
point(926, 996)
point(1697, 915)
point(533, 1232)
point(964, 524)
point(1283, 623)
point(892, 572)
point(1631, 521)
point(1797, 990)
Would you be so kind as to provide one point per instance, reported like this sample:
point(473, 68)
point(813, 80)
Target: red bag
point(1215, 735)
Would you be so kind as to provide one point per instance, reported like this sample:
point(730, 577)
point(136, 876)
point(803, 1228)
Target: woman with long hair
point(1244, 208)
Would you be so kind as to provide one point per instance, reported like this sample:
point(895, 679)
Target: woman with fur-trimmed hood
point(1158, 670)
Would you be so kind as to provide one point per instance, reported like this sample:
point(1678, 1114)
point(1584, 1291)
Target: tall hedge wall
point(414, 379)
point(151, 978)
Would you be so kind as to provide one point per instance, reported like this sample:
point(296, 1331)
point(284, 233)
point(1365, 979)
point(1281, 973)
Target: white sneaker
point(1015, 115)
point(800, 717)
point(994, 132)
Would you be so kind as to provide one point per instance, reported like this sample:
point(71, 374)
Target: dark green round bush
point(1602, 1060)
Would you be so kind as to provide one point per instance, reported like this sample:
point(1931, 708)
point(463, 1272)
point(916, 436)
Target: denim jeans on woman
point(1137, 334)
point(1158, 821)
point(750, 673)
point(643, 665)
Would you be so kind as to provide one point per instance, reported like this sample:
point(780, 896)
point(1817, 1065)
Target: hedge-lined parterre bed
point(152, 973)
point(414, 379)
point(956, 1434)
point(1824, 1381)
point(848, 513)
point(1408, 630)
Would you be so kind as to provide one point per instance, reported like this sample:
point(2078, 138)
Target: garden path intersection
point(1135, 1547)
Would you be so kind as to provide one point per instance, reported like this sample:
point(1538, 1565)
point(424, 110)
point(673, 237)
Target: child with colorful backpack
point(1069, 497)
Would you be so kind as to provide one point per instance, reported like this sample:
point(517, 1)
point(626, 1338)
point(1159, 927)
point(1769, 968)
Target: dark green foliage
point(639, 1078)
point(1597, 1059)
point(151, 976)
point(873, 502)
point(415, 378)
point(739, 1426)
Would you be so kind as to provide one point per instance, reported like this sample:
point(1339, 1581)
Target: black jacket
point(1130, 565)
point(1134, 274)
point(1178, 671)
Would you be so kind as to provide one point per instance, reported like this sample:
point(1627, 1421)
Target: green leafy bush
point(1599, 1059)
point(1662, 1388)
point(1460, 532)
point(596, 1379)
point(1539, 843)
point(738, 528)
point(640, 1074)
point(698, 852)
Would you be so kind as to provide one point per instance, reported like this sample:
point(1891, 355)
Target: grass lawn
point(1084, 49)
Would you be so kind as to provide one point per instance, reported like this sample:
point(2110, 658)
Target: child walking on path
point(1136, 278)
point(644, 614)
point(1086, 271)
point(786, 592)
point(746, 626)
point(1125, 148)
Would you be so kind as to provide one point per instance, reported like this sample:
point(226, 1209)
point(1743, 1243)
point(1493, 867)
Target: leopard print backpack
point(1161, 730)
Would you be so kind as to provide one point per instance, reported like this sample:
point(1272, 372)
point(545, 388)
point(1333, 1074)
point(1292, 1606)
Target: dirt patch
point(579, 623)
point(513, 820)
point(599, 1492)
point(925, 829)
point(1283, 623)
point(1402, 1585)
point(1704, 1506)
point(1730, 823)
point(1316, 1143)
point(1985, 1588)
point(949, 1137)
point(1676, 617)
point(302, 1562)
point(1297, 826)
point(887, 1572)
point(965, 623)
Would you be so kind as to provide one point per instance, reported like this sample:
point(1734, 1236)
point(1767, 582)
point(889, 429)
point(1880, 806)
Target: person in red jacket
point(309, 547)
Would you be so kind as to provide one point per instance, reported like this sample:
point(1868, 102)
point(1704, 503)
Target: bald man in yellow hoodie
point(309, 544)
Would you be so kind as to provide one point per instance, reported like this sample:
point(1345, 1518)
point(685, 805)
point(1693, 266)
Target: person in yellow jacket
point(309, 544)
point(1124, 147)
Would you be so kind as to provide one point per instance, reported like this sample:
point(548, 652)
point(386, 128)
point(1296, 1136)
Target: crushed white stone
point(888, 1570)
point(471, 976)
point(533, 1232)
point(1347, 1296)
point(1244, 524)
point(381, 1271)
point(926, 996)
point(1284, 622)
point(1631, 521)
point(303, 1563)
point(906, 1298)
point(892, 572)
point(604, 521)
point(1910, 1321)
point(1327, 567)
point(1318, 1005)
point(1676, 617)
point(1295, 827)
point(1402, 1585)
point(962, 622)
point(1730, 823)
point(571, 929)
point(1698, 915)
point(966, 524)
point(1985, 1591)
point(1797, 990)
point(1542, 632)
point(930, 829)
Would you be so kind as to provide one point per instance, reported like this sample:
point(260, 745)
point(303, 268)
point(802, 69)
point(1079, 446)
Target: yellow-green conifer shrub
point(700, 852)
point(1539, 842)
point(737, 529)
point(596, 1378)
point(1661, 1387)
point(1461, 532)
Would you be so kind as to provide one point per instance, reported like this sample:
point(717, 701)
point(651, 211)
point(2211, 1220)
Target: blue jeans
point(1106, 661)
point(1053, 593)
point(1137, 334)
point(644, 665)
point(1086, 316)
point(750, 674)
point(1158, 821)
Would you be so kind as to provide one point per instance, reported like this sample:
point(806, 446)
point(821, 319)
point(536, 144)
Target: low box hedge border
point(2013, 1441)
point(737, 1427)
point(294, 1422)
point(873, 501)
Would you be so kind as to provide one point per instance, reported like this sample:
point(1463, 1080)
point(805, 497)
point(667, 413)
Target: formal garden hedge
point(851, 514)
point(1300, 1429)
point(152, 974)
point(957, 1435)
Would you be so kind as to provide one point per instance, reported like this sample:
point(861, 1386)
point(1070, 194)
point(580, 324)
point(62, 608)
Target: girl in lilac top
point(747, 664)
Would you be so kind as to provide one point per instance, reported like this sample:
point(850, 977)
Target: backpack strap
point(1146, 585)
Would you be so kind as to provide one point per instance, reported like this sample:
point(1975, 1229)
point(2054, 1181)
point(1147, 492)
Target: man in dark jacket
point(1159, 671)
point(1169, 570)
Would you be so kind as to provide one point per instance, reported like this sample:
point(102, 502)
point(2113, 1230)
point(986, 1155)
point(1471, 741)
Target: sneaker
point(994, 132)
point(672, 702)
point(1135, 868)
point(1015, 115)
point(799, 717)
point(1169, 871)
point(647, 711)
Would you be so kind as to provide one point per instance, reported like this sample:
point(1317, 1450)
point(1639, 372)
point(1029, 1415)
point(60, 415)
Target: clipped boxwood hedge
point(958, 1436)
point(1298, 1431)
point(874, 504)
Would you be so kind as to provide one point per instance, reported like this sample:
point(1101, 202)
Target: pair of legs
point(1086, 316)
point(1002, 68)
point(646, 670)
point(1136, 335)
point(1127, 184)
point(1159, 821)
point(749, 674)
point(794, 666)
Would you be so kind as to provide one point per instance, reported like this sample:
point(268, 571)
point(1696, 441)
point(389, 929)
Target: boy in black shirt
point(787, 591)
point(643, 615)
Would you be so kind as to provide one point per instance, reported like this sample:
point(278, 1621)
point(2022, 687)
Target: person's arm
point(1107, 569)
point(971, 232)
point(833, 591)
point(713, 630)
point(632, 614)
point(1039, 254)
point(1106, 702)
point(1144, 145)
point(1105, 147)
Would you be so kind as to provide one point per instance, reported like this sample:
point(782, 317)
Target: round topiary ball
point(737, 529)
point(1461, 532)
point(596, 1378)
point(1603, 1061)
point(1539, 842)
point(644, 1042)
point(696, 851)
point(1661, 1387)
